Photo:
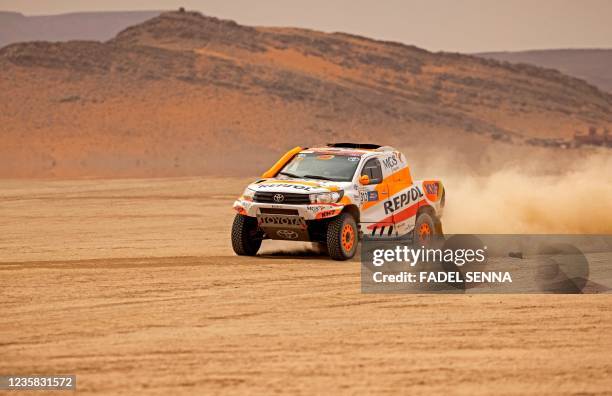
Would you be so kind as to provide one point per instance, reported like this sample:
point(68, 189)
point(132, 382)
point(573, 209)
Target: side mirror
point(364, 180)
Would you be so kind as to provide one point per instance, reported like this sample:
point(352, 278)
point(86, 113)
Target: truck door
point(375, 223)
point(402, 193)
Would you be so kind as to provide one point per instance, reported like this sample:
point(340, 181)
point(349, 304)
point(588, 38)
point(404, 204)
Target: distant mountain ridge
point(99, 26)
point(188, 94)
point(592, 65)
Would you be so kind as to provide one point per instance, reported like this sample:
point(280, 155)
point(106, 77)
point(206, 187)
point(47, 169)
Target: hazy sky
point(450, 25)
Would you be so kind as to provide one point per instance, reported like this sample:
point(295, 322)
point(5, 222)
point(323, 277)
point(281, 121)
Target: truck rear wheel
point(425, 229)
point(342, 237)
point(246, 240)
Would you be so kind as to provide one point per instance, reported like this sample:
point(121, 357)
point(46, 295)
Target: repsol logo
point(294, 186)
point(402, 200)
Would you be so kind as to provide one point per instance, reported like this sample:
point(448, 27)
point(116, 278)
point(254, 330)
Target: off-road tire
point(425, 229)
point(245, 240)
point(338, 230)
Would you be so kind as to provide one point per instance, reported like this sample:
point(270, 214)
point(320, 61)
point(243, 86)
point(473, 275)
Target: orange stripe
point(392, 184)
point(281, 162)
point(400, 216)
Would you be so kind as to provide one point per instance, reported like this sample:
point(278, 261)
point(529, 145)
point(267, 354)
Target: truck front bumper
point(287, 222)
point(306, 212)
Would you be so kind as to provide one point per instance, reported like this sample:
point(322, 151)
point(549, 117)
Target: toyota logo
point(279, 198)
point(287, 234)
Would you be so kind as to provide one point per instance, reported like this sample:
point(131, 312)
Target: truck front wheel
point(246, 240)
point(342, 237)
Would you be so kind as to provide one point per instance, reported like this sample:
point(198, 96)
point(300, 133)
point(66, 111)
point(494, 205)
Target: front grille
point(288, 198)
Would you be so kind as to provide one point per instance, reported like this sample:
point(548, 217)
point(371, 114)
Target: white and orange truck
point(336, 195)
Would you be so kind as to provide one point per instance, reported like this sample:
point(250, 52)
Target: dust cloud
point(522, 199)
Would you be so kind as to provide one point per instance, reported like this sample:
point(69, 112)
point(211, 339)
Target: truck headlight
point(327, 197)
point(248, 194)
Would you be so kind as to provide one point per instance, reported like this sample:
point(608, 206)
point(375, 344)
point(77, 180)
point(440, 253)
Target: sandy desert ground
point(132, 286)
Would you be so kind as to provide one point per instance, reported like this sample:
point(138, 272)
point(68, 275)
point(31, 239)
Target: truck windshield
point(334, 167)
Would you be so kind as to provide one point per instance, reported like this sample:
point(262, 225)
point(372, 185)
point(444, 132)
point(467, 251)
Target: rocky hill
point(184, 94)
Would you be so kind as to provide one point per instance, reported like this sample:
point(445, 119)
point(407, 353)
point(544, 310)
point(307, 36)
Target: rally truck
point(335, 196)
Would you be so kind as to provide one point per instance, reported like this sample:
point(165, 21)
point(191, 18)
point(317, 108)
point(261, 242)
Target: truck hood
point(300, 186)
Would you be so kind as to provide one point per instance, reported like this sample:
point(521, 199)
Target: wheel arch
point(353, 210)
point(427, 209)
point(430, 210)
